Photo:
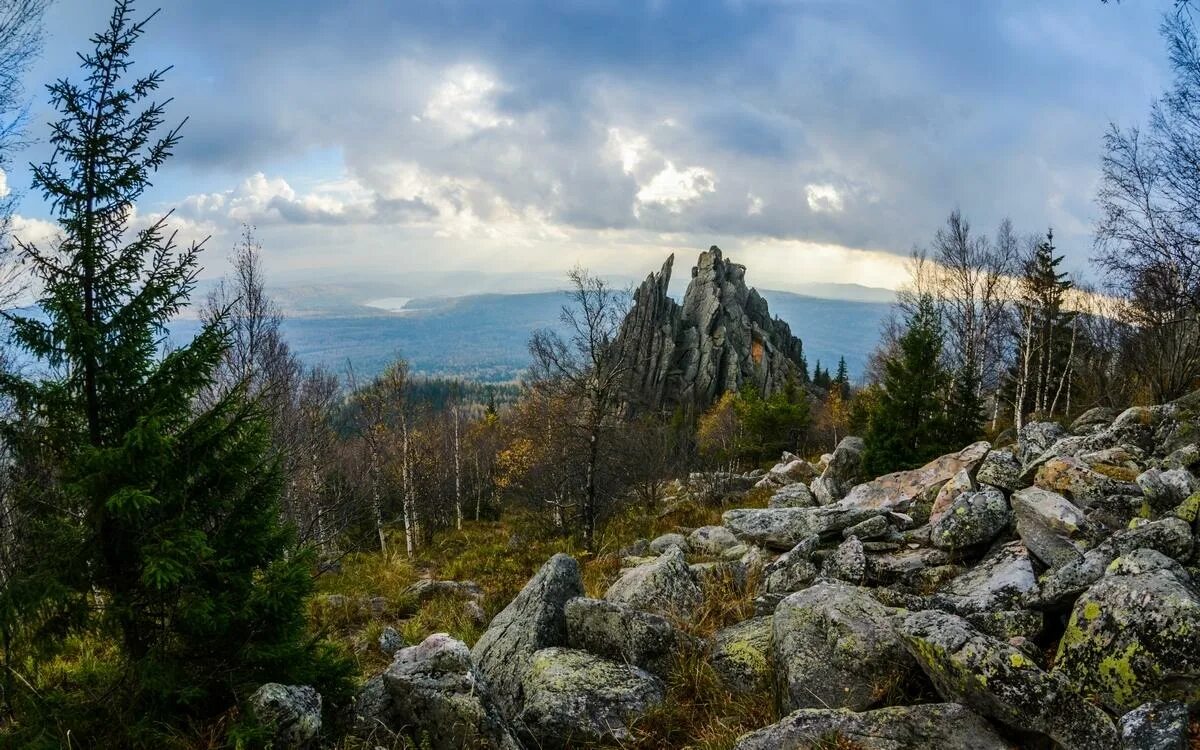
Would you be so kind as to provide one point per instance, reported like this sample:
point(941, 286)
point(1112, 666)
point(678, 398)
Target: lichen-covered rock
point(1132, 638)
point(1080, 483)
point(741, 655)
point(791, 571)
point(960, 483)
point(1164, 490)
point(835, 646)
point(847, 563)
point(790, 471)
point(390, 641)
point(621, 633)
point(711, 540)
point(783, 528)
point(914, 491)
point(974, 518)
point(1170, 536)
point(573, 697)
point(292, 714)
point(1003, 580)
point(1096, 418)
point(533, 620)
point(661, 544)
point(666, 586)
point(1049, 525)
point(440, 700)
point(371, 713)
point(1035, 438)
point(792, 496)
point(1007, 624)
point(1000, 468)
point(1002, 683)
point(945, 726)
point(904, 566)
point(1157, 725)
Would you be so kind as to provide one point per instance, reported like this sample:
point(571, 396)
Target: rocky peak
point(719, 338)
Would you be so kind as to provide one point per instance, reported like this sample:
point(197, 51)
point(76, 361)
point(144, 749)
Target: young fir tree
point(908, 424)
point(181, 559)
point(964, 409)
point(842, 379)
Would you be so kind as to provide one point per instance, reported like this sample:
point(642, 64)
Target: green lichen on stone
point(1188, 509)
point(747, 655)
point(1017, 660)
point(1091, 610)
point(1118, 674)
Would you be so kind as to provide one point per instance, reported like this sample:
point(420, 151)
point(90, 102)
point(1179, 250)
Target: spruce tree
point(908, 424)
point(842, 379)
point(182, 561)
point(964, 409)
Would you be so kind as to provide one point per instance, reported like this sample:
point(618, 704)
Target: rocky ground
point(1036, 594)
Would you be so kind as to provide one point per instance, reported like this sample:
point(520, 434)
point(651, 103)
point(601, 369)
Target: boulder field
point(1038, 594)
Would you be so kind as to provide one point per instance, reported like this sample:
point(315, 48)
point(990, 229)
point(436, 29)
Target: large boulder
point(792, 496)
point(974, 518)
point(664, 542)
point(711, 540)
point(621, 633)
point(741, 655)
point(1049, 525)
point(783, 528)
point(960, 483)
point(666, 586)
point(914, 491)
point(1035, 438)
point(1132, 638)
point(1093, 420)
point(835, 646)
point(440, 700)
point(841, 471)
point(291, 713)
point(847, 563)
point(1003, 683)
point(792, 570)
point(573, 698)
point(945, 726)
point(1079, 482)
point(533, 620)
point(1157, 725)
point(1003, 580)
point(1165, 490)
point(1169, 536)
point(1000, 469)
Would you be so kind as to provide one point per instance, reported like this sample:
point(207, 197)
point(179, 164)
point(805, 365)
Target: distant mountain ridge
point(484, 336)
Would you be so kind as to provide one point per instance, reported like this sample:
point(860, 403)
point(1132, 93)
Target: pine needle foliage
point(157, 519)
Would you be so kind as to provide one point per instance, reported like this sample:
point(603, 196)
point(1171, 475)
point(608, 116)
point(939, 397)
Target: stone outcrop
point(719, 338)
point(946, 726)
point(292, 714)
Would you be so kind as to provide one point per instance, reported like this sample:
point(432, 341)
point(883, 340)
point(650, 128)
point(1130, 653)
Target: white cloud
point(33, 231)
point(674, 187)
point(824, 198)
point(754, 204)
point(630, 148)
point(464, 102)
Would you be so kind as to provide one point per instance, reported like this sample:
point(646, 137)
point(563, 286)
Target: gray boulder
point(1004, 579)
point(1035, 438)
point(1170, 536)
point(1132, 638)
point(841, 471)
point(621, 633)
point(741, 655)
point(292, 713)
point(1157, 725)
point(390, 641)
point(533, 620)
point(957, 485)
point(945, 726)
point(792, 496)
point(1164, 490)
point(1079, 482)
point(711, 540)
point(666, 586)
point(1092, 420)
point(574, 698)
point(914, 491)
point(834, 646)
point(1002, 683)
point(440, 700)
point(847, 563)
point(783, 528)
point(661, 544)
point(974, 518)
point(1000, 469)
point(876, 527)
point(1049, 525)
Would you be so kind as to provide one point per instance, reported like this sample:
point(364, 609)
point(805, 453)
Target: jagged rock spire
point(721, 337)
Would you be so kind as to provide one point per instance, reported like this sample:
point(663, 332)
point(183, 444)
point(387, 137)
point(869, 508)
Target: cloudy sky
point(812, 140)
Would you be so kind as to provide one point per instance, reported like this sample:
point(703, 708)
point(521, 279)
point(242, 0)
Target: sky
point(813, 141)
